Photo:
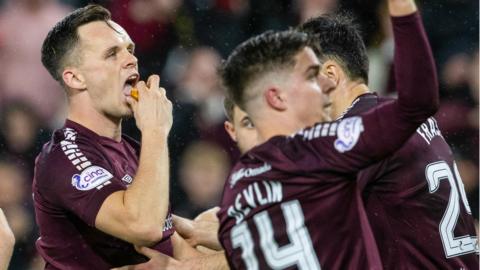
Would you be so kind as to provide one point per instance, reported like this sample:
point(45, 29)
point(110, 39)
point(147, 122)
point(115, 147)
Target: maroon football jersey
point(75, 172)
point(415, 199)
point(293, 202)
point(416, 203)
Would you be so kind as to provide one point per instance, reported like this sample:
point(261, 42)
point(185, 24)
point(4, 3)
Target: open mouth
point(130, 82)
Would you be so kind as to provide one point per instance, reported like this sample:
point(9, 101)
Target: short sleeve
point(78, 178)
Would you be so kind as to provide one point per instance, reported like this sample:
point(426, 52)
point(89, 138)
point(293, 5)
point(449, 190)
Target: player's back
point(278, 212)
point(416, 203)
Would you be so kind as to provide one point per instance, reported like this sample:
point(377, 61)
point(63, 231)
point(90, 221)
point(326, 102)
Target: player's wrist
point(155, 134)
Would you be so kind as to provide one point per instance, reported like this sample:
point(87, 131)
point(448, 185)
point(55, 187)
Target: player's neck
point(348, 94)
point(97, 122)
point(357, 90)
point(270, 127)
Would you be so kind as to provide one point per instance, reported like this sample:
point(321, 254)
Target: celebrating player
point(414, 199)
point(304, 183)
point(96, 194)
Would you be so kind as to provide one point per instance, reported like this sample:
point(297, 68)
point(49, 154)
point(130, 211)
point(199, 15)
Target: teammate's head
point(275, 76)
point(343, 56)
point(340, 40)
point(239, 126)
point(92, 57)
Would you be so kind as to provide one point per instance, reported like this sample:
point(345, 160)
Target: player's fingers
point(183, 226)
point(153, 81)
point(132, 102)
point(150, 253)
point(191, 242)
point(163, 92)
point(141, 87)
point(208, 215)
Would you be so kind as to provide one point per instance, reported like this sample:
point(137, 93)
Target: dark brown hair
point(63, 38)
point(257, 56)
point(340, 40)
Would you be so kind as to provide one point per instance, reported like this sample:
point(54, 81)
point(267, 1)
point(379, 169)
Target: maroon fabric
point(317, 201)
point(404, 214)
point(66, 208)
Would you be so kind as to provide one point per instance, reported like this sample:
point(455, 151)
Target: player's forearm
point(416, 83)
point(147, 198)
point(399, 8)
point(415, 72)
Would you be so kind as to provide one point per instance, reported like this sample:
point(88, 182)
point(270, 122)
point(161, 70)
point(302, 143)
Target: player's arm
point(379, 132)
point(137, 214)
point(202, 231)
point(158, 260)
point(7, 240)
point(387, 127)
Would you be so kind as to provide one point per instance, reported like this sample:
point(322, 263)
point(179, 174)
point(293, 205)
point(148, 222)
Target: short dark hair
point(63, 37)
point(257, 56)
point(340, 39)
point(228, 107)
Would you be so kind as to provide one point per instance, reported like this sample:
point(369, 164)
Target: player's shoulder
point(68, 151)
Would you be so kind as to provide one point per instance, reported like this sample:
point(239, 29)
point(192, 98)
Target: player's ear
point(73, 79)
point(230, 130)
point(275, 99)
point(333, 71)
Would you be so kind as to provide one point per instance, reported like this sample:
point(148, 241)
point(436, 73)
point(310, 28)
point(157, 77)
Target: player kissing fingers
point(153, 110)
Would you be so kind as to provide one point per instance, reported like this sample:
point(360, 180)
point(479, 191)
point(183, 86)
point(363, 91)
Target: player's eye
point(111, 53)
point(247, 123)
point(313, 73)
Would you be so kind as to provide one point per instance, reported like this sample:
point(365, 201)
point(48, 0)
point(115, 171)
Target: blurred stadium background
point(184, 41)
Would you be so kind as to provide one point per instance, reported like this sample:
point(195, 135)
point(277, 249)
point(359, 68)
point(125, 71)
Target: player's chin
point(126, 111)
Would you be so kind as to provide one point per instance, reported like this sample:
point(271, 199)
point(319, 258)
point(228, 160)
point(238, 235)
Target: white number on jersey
point(299, 252)
point(453, 246)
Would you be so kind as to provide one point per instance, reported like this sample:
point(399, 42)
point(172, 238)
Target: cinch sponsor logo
point(90, 178)
point(248, 172)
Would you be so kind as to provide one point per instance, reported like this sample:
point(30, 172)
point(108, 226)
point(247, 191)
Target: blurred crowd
point(184, 41)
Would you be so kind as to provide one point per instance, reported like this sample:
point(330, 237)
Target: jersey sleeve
point(79, 180)
point(356, 142)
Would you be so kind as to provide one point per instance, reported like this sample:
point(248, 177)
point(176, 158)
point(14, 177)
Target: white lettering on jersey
point(348, 133)
point(255, 195)
point(429, 129)
point(90, 178)
point(248, 172)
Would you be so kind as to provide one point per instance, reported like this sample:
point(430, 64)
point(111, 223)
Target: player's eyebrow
point(110, 50)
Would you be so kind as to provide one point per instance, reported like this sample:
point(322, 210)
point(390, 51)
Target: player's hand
point(202, 231)
point(209, 215)
point(153, 110)
point(398, 8)
point(7, 240)
point(157, 261)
